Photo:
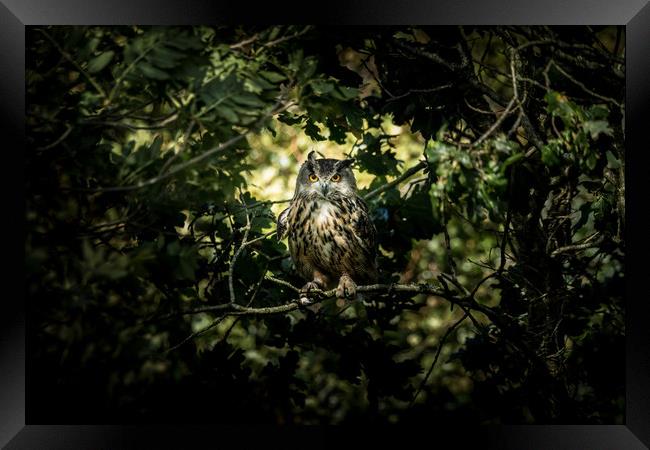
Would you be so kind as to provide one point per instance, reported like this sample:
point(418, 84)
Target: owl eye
point(336, 177)
point(313, 178)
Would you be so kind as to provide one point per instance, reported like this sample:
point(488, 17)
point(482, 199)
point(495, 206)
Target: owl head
point(326, 177)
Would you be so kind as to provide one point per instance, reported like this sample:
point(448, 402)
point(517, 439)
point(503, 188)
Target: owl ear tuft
point(311, 161)
point(342, 164)
point(311, 157)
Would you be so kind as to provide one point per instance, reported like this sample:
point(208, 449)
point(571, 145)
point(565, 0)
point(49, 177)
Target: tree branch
point(585, 88)
point(278, 108)
point(233, 309)
point(577, 247)
point(469, 76)
point(409, 173)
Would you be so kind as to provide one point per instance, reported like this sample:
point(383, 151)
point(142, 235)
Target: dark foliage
point(158, 293)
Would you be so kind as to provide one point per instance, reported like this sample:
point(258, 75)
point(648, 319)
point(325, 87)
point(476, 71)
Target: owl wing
point(282, 224)
point(364, 228)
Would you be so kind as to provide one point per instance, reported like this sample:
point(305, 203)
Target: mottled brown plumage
point(332, 239)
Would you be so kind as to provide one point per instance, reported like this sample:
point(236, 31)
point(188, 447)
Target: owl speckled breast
point(323, 236)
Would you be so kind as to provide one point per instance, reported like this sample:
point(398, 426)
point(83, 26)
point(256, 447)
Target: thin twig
point(126, 71)
point(61, 138)
point(585, 88)
point(506, 225)
point(509, 107)
point(250, 302)
point(575, 247)
point(126, 126)
point(67, 56)
point(286, 38)
point(282, 282)
point(478, 110)
point(419, 91)
point(231, 269)
point(450, 260)
point(260, 238)
point(410, 172)
point(186, 137)
point(198, 333)
point(435, 359)
point(428, 55)
point(245, 42)
point(376, 78)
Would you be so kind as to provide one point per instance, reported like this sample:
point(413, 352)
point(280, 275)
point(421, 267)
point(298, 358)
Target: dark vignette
point(638, 335)
point(12, 354)
point(12, 317)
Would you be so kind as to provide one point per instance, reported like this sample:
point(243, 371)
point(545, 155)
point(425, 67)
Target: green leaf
point(585, 211)
point(596, 127)
point(511, 160)
point(592, 161)
point(353, 116)
point(597, 112)
point(165, 57)
point(290, 119)
point(160, 241)
point(227, 113)
point(186, 41)
point(435, 149)
point(337, 133)
point(404, 36)
point(559, 105)
point(161, 61)
point(274, 33)
point(321, 87)
point(273, 77)
point(173, 248)
point(372, 159)
point(308, 68)
point(99, 62)
point(247, 99)
point(502, 144)
point(187, 265)
point(152, 72)
point(312, 130)
point(154, 149)
point(89, 48)
point(551, 154)
point(345, 93)
point(217, 89)
point(259, 84)
point(612, 161)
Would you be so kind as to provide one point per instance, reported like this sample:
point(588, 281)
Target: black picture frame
point(16, 14)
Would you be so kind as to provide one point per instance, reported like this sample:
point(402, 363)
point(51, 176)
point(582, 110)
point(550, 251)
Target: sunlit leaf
point(99, 62)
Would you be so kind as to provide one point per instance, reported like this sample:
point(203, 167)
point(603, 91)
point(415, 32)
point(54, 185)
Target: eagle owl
point(332, 239)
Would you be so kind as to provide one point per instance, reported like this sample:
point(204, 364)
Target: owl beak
point(324, 188)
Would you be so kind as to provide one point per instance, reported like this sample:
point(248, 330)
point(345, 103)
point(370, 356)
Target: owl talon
point(347, 288)
point(311, 286)
point(304, 292)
